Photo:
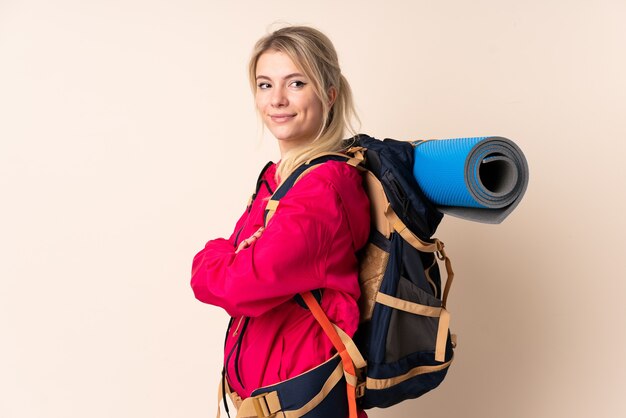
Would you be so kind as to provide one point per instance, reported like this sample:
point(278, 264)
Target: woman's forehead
point(273, 63)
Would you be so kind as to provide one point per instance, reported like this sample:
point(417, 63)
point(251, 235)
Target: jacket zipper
point(238, 325)
point(236, 349)
point(230, 353)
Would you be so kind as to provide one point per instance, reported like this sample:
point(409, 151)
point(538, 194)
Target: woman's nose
point(279, 97)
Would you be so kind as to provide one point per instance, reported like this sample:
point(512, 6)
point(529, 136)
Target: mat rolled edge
point(485, 147)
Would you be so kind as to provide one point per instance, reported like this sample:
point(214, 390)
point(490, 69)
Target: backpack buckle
point(440, 253)
point(360, 390)
point(263, 407)
point(357, 156)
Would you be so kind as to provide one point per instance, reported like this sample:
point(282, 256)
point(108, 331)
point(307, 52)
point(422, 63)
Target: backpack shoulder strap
point(293, 178)
point(351, 357)
point(261, 181)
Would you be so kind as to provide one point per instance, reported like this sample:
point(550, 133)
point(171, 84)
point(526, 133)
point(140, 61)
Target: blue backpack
point(404, 334)
point(403, 347)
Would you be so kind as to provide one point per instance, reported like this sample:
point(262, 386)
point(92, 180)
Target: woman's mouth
point(282, 117)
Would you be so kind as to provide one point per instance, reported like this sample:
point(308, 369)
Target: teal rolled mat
point(479, 179)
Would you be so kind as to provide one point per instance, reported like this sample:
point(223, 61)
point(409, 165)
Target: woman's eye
point(264, 86)
point(298, 84)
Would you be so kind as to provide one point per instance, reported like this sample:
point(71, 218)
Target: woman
point(310, 242)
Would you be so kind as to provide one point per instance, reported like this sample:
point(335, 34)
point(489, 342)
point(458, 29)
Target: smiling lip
point(282, 117)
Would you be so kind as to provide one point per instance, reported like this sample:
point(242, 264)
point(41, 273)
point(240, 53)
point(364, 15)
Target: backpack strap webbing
point(349, 370)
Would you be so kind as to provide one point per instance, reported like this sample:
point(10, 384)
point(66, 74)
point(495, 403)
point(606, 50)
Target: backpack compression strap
point(349, 353)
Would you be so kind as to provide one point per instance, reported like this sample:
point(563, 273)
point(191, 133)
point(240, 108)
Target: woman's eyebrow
point(260, 76)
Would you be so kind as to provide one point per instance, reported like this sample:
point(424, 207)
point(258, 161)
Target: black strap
point(259, 182)
point(263, 170)
point(317, 294)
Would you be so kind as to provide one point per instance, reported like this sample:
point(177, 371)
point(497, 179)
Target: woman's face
point(286, 101)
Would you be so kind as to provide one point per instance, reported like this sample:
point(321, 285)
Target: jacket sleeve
point(288, 258)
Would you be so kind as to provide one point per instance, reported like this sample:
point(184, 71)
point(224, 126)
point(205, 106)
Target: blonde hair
point(315, 55)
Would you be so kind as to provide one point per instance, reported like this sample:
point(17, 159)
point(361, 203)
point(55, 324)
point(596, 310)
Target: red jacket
point(309, 243)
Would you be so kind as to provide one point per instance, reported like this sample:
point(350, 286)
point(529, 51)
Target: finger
point(243, 244)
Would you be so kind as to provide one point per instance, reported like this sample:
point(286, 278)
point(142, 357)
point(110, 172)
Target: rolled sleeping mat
point(479, 179)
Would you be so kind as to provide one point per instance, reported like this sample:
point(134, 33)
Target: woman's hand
point(248, 241)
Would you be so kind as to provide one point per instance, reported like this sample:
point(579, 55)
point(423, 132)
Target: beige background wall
point(128, 138)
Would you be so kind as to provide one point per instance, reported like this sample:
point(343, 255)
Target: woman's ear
point(332, 96)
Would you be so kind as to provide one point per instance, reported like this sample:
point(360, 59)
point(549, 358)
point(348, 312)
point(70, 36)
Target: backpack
point(403, 347)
